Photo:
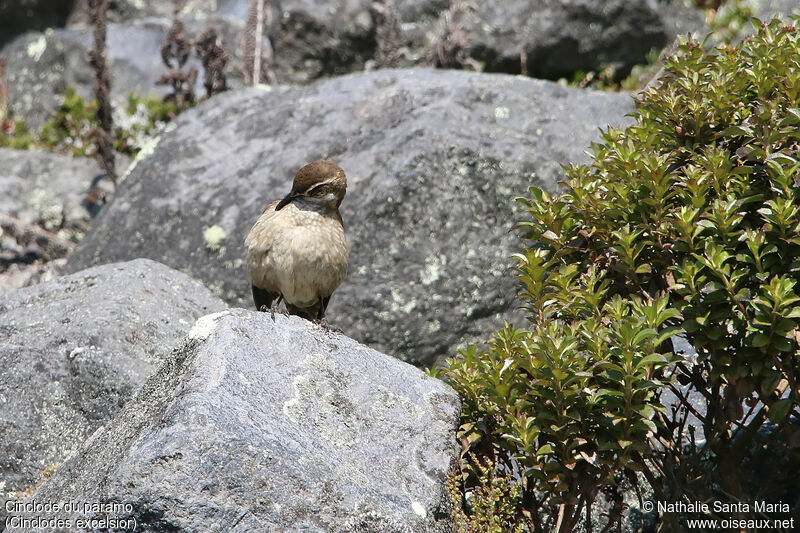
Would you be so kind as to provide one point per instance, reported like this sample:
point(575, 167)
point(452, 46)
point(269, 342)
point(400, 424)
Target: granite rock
point(258, 424)
point(73, 350)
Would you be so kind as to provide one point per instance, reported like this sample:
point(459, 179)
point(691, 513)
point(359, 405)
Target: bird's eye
point(319, 190)
point(313, 190)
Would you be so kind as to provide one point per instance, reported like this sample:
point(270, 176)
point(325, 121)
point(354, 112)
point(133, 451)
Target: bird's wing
point(265, 215)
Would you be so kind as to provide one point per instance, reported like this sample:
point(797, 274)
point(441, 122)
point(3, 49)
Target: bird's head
point(320, 183)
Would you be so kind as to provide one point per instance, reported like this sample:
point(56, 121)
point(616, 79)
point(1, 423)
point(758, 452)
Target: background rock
point(434, 160)
point(18, 16)
point(42, 190)
point(313, 39)
point(310, 40)
point(49, 192)
point(128, 10)
point(39, 66)
point(560, 38)
point(74, 349)
point(766, 9)
point(273, 425)
point(43, 186)
point(682, 17)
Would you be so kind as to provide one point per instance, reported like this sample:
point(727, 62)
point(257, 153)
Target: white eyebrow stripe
point(321, 183)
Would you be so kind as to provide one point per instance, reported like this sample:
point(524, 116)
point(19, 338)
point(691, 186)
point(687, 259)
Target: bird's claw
point(274, 309)
point(323, 323)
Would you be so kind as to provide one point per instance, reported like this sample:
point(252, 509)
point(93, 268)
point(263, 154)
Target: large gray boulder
point(40, 66)
point(559, 38)
point(260, 425)
point(434, 160)
point(73, 350)
point(314, 39)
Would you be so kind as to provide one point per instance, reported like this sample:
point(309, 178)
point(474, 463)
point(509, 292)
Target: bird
point(297, 251)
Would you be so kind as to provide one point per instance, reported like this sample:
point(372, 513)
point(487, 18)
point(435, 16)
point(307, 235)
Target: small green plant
point(491, 507)
point(686, 224)
point(71, 128)
point(139, 121)
point(14, 134)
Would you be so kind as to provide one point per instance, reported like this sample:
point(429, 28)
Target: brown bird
point(296, 250)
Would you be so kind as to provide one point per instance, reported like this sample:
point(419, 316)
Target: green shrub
point(685, 224)
point(72, 126)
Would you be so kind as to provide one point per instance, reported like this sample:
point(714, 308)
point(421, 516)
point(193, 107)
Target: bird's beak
point(288, 198)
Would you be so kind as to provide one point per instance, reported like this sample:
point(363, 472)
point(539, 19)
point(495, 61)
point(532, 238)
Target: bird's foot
point(323, 323)
point(274, 309)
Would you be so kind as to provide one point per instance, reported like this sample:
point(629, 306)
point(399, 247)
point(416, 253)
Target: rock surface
point(48, 192)
point(18, 16)
point(74, 349)
point(434, 160)
point(128, 10)
point(766, 9)
point(682, 17)
point(262, 425)
point(310, 40)
point(39, 66)
point(559, 38)
point(46, 187)
point(313, 39)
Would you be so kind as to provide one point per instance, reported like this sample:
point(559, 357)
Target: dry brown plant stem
point(258, 42)
point(104, 134)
